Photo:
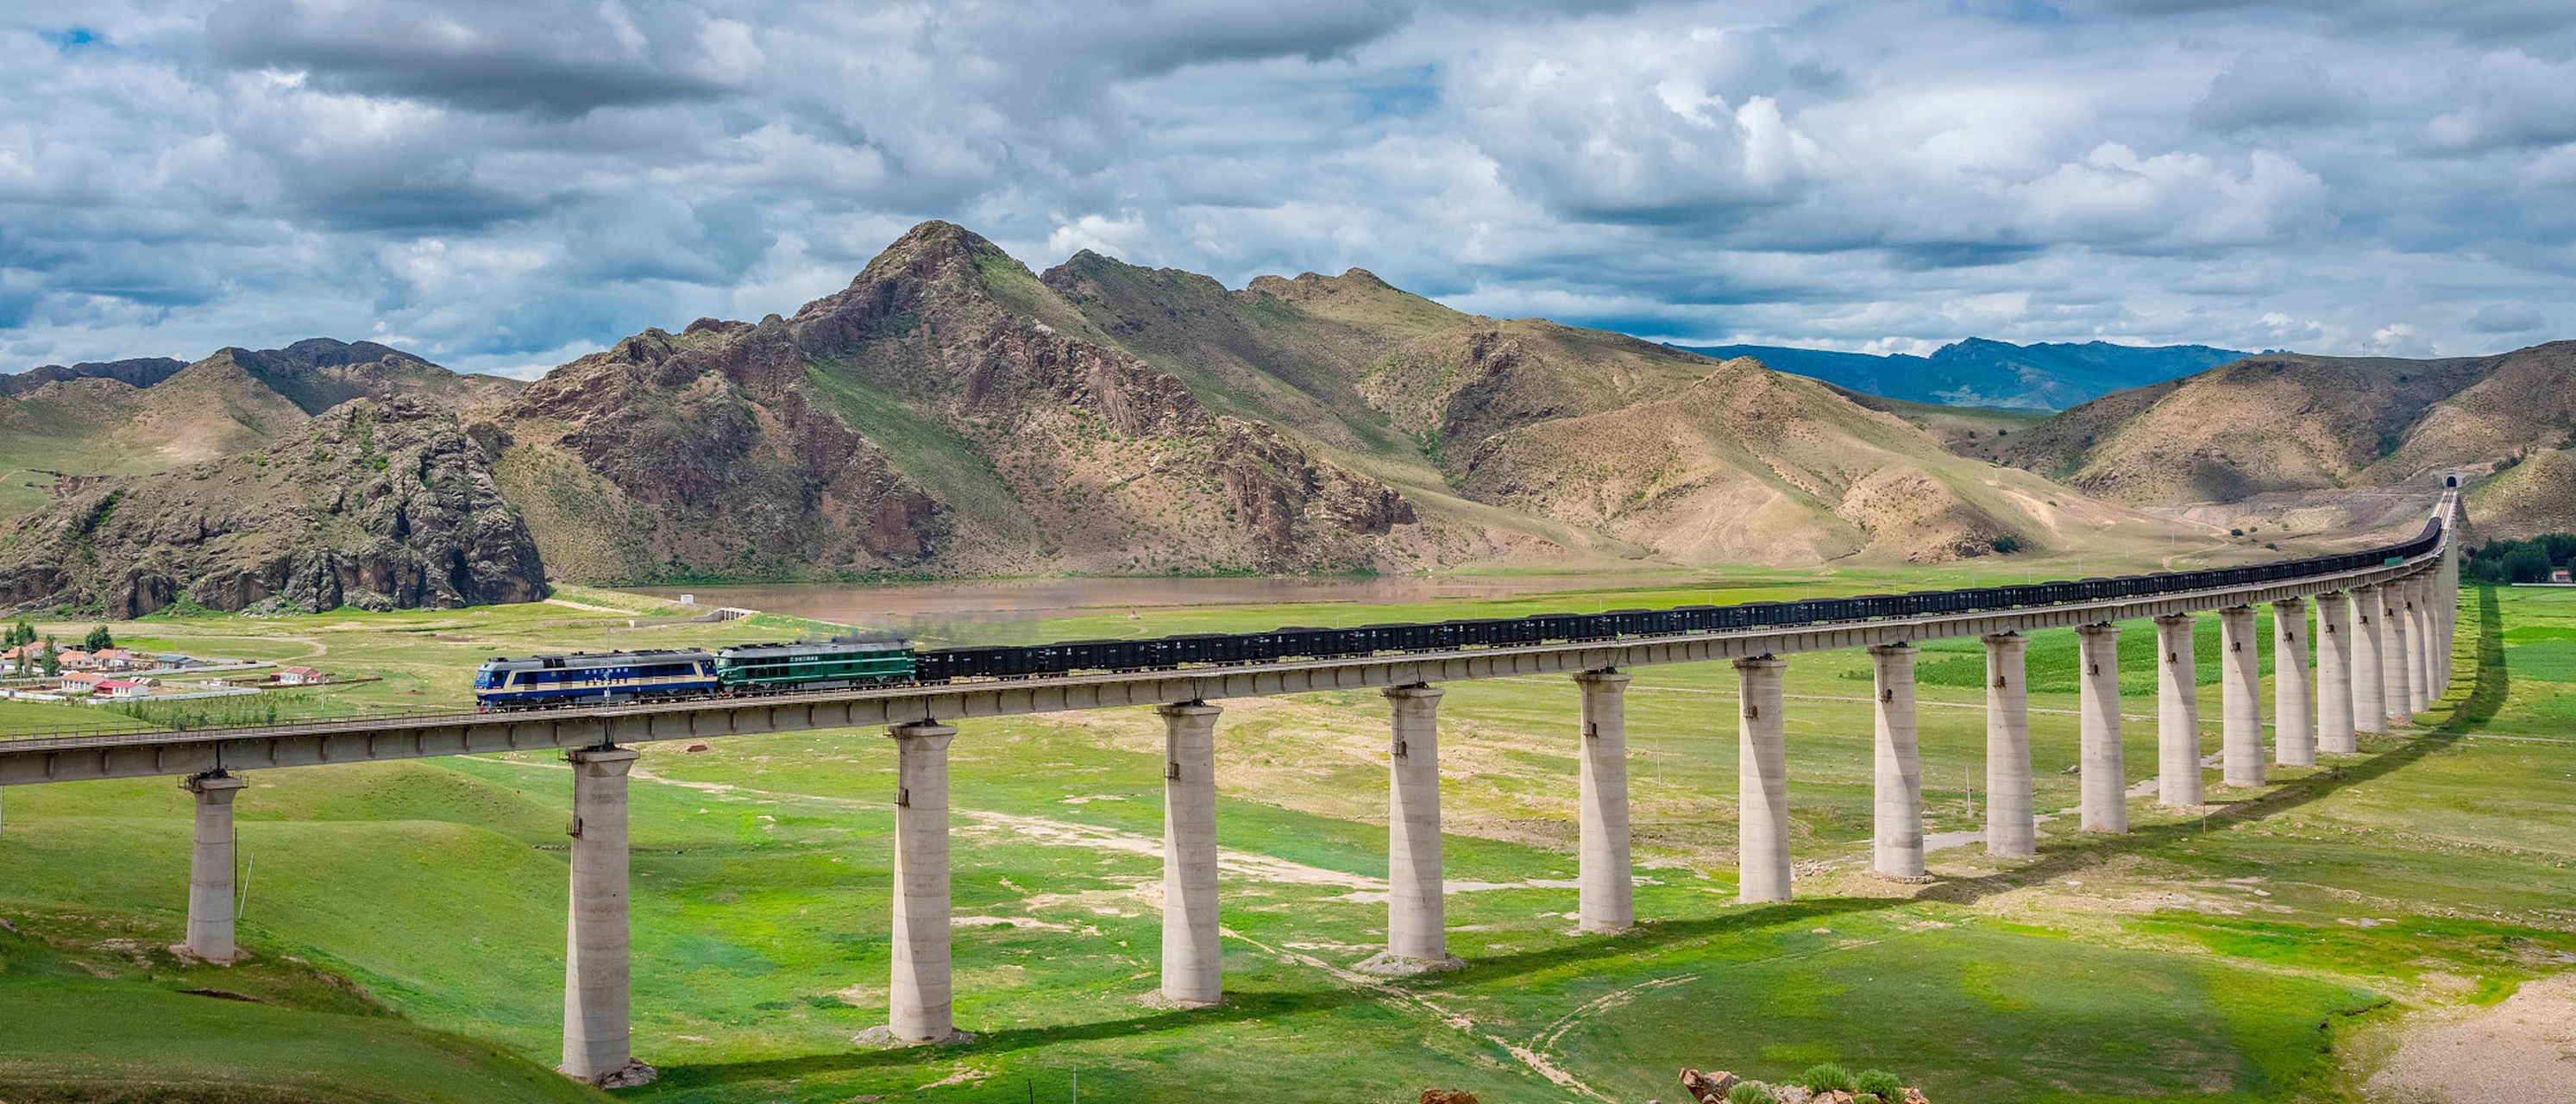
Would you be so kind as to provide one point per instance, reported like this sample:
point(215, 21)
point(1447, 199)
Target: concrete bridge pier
point(2429, 611)
point(1606, 893)
point(920, 994)
point(1417, 935)
point(2450, 620)
point(2105, 779)
point(1898, 823)
point(2011, 830)
point(2240, 697)
point(2420, 688)
point(2294, 732)
point(2369, 648)
point(2335, 657)
point(2396, 654)
point(1762, 783)
point(1193, 960)
point(2446, 603)
point(2177, 714)
point(2405, 609)
point(210, 868)
point(596, 1041)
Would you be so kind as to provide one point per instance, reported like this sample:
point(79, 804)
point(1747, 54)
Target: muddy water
point(934, 609)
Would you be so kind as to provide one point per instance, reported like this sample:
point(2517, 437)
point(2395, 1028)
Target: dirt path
point(2521, 1051)
point(587, 606)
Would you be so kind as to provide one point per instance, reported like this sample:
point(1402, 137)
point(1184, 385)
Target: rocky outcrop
point(1708, 1088)
point(715, 455)
point(378, 505)
point(1292, 505)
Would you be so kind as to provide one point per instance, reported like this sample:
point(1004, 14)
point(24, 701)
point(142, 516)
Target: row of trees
point(22, 634)
point(2519, 561)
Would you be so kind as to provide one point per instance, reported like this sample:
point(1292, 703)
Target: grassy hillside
point(1977, 431)
point(93, 1008)
point(2248, 957)
point(2533, 497)
point(103, 427)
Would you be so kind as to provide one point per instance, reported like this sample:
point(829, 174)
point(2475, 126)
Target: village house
point(73, 659)
point(28, 654)
point(122, 689)
point(81, 682)
point(301, 676)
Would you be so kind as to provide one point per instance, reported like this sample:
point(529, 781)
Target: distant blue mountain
point(1978, 372)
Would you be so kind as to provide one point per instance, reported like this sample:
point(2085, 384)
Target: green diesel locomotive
point(836, 665)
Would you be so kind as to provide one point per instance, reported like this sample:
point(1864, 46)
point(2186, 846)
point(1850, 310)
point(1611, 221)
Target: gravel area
point(2517, 1052)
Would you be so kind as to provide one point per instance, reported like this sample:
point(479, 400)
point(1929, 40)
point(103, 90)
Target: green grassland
point(413, 912)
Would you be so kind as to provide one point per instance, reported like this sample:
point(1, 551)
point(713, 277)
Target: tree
point(53, 664)
point(2527, 563)
point(98, 640)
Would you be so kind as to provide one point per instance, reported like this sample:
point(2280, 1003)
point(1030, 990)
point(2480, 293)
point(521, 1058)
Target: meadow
point(407, 918)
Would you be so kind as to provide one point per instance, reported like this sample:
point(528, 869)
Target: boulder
point(1447, 1096)
point(1709, 1088)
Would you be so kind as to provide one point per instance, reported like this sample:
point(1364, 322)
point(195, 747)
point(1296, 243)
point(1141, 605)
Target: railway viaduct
point(2379, 635)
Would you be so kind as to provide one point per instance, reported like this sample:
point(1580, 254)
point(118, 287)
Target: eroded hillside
point(2282, 424)
point(375, 503)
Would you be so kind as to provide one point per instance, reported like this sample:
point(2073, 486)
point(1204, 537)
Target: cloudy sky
point(502, 185)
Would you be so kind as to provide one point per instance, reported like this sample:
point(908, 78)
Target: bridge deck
point(126, 755)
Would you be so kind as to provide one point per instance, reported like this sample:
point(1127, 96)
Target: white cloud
point(2400, 339)
point(2507, 98)
point(2173, 200)
point(499, 183)
point(2272, 87)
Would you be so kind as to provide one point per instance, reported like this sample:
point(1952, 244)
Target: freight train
point(612, 677)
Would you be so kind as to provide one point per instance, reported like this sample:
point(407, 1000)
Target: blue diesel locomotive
point(593, 678)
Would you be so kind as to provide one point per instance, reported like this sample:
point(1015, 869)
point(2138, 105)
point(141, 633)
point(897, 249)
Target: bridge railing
point(2429, 542)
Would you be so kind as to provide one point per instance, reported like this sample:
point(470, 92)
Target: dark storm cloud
point(509, 184)
point(560, 58)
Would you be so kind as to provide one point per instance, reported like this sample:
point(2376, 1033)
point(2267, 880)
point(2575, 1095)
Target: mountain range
point(1980, 372)
point(952, 412)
